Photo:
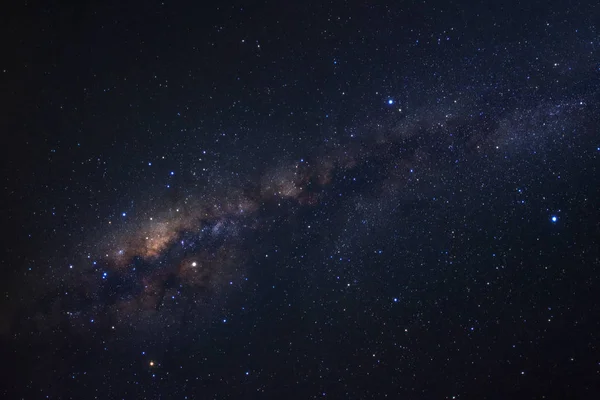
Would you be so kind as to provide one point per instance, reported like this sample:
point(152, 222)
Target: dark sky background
point(342, 200)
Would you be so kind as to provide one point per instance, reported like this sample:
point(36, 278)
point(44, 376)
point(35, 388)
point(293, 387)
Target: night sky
point(273, 200)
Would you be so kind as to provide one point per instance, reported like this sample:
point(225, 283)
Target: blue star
point(554, 218)
point(391, 101)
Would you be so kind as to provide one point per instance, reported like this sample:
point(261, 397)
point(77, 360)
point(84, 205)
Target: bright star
point(390, 102)
point(554, 218)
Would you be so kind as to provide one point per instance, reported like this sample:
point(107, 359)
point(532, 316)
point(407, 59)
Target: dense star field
point(300, 200)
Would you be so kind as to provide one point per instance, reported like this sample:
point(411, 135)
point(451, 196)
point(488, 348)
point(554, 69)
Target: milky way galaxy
point(170, 263)
point(301, 200)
